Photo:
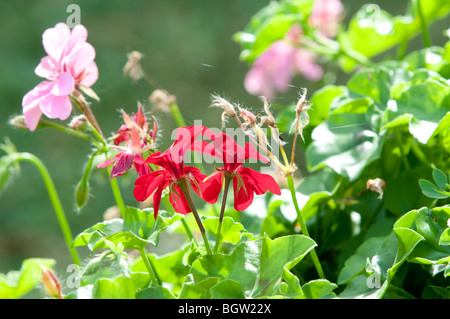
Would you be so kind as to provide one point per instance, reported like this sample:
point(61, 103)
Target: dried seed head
point(161, 100)
point(248, 117)
point(301, 112)
point(227, 107)
point(377, 185)
point(269, 119)
point(133, 66)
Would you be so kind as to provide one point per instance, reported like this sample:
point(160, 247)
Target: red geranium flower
point(246, 181)
point(134, 133)
point(173, 172)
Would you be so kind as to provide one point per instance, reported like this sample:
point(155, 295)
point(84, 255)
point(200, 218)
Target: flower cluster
point(273, 70)
point(68, 67)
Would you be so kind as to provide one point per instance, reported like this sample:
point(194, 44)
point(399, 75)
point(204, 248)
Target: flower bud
point(79, 123)
point(51, 283)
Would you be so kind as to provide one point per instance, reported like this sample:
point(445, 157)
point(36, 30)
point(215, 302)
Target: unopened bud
point(51, 283)
point(79, 123)
point(19, 121)
point(82, 193)
point(162, 100)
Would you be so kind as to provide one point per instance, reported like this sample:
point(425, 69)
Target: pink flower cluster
point(69, 65)
point(274, 69)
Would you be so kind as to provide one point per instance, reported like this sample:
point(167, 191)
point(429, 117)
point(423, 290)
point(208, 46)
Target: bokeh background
point(188, 50)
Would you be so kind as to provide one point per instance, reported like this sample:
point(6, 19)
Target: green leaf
point(319, 289)
point(118, 288)
point(440, 178)
point(227, 289)
point(138, 228)
point(17, 283)
point(345, 143)
point(258, 264)
point(231, 230)
point(431, 190)
point(155, 293)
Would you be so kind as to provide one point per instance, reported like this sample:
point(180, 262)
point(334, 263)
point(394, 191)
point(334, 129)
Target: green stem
point(168, 206)
point(54, 198)
point(423, 24)
point(44, 123)
point(148, 264)
point(314, 257)
point(185, 191)
point(175, 110)
point(117, 195)
point(222, 211)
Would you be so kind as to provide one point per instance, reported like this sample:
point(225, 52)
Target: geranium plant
point(370, 217)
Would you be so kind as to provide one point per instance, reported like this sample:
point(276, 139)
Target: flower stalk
point(304, 229)
point(186, 193)
point(227, 182)
point(54, 198)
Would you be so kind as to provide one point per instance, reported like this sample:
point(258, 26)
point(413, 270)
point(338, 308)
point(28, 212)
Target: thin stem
point(148, 264)
point(168, 206)
point(423, 24)
point(54, 198)
point(65, 129)
point(117, 195)
point(186, 193)
point(314, 257)
point(222, 211)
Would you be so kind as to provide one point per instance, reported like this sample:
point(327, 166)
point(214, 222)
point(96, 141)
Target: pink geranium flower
point(68, 66)
point(326, 16)
point(274, 69)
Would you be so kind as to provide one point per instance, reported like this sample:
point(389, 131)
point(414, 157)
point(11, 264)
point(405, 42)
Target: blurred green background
point(188, 50)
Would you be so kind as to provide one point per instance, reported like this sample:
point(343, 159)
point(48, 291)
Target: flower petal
point(56, 106)
point(47, 68)
point(55, 40)
point(178, 200)
point(64, 85)
point(243, 195)
point(211, 187)
point(147, 184)
point(260, 182)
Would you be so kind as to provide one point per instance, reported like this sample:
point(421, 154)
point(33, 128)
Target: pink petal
point(78, 36)
point(78, 60)
point(305, 64)
point(64, 85)
point(32, 117)
point(56, 106)
point(90, 75)
point(47, 68)
point(55, 39)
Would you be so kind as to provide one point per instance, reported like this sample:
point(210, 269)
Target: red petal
point(179, 201)
point(147, 184)
point(157, 198)
point(122, 165)
point(243, 196)
point(260, 182)
point(212, 187)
